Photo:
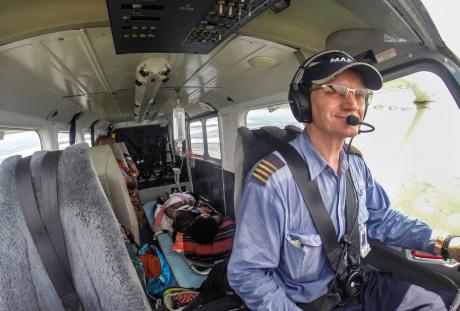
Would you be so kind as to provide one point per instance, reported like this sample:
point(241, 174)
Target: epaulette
point(355, 150)
point(266, 168)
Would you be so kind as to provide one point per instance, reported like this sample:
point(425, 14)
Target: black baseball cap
point(324, 66)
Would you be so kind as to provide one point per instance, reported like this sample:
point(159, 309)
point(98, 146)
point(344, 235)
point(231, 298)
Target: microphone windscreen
point(352, 120)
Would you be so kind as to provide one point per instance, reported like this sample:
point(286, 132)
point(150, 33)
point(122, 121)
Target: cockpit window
point(18, 142)
point(413, 152)
point(276, 115)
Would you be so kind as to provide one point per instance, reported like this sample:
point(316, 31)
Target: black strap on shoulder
point(311, 195)
point(351, 207)
point(45, 227)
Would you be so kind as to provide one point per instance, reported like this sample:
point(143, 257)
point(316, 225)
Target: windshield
point(445, 17)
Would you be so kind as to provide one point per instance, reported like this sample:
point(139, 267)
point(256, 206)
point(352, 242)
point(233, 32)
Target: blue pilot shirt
point(278, 259)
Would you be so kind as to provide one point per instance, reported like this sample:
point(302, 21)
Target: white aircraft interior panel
point(235, 51)
point(32, 59)
point(71, 52)
point(23, 95)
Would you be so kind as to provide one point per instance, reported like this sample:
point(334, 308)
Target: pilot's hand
point(454, 249)
point(448, 246)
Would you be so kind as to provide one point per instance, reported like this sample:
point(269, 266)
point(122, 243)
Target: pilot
point(278, 260)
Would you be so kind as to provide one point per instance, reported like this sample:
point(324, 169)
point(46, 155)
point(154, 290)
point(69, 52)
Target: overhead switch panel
point(178, 26)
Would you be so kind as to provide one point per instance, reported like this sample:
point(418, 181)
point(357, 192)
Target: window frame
point(429, 65)
point(87, 131)
point(57, 138)
point(425, 64)
point(266, 105)
point(204, 123)
point(24, 129)
point(197, 156)
point(205, 157)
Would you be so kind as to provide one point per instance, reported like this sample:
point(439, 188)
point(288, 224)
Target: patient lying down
point(182, 213)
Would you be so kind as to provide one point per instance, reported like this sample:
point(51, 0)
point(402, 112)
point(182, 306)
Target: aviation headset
point(299, 92)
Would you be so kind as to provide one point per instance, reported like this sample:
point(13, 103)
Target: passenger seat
point(102, 272)
point(114, 187)
point(123, 147)
point(118, 153)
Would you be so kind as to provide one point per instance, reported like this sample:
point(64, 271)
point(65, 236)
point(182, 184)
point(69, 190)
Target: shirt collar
point(316, 162)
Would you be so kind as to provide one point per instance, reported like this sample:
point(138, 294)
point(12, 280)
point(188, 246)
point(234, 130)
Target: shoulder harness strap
point(353, 150)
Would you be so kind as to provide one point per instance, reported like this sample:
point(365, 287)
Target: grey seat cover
point(249, 150)
point(103, 274)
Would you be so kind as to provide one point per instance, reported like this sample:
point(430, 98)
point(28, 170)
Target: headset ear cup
point(294, 101)
point(306, 105)
point(299, 101)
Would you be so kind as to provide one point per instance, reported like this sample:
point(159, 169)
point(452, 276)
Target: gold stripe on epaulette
point(274, 168)
point(269, 169)
point(259, 177)
point(258, 170)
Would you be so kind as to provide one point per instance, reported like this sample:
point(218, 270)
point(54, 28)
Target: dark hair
point(183, 219)
point(100, 138)
point(203, 230)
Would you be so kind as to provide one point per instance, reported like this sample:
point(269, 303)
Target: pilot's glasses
point(362, 96)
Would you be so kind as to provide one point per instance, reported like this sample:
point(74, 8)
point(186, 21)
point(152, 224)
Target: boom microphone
point(354, 121)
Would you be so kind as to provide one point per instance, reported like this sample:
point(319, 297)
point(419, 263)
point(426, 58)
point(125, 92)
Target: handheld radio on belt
point(349, 280)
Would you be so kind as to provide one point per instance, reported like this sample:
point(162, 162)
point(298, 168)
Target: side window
point(18, 142)
point(87, 138)
point(204, 138)
point(212, 137)
point(63, 139)
point(196, 138)
point(277, 115)
point(414, 150)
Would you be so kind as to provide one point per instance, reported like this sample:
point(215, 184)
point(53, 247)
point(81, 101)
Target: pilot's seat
point(249, 150)
point(102, 273)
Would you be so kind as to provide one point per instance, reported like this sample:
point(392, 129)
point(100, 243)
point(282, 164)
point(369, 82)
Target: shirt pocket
point(305, 258)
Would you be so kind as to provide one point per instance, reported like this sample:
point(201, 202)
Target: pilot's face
point(331, 109)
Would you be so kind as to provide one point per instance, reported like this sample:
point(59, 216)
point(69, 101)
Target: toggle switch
point(221, 4)
point(231, 6)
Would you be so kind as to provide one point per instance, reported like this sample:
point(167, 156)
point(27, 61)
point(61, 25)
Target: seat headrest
point(249, 150)
point(118, 153)
point(123, 147)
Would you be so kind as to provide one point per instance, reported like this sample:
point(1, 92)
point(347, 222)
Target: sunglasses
point(362, 96)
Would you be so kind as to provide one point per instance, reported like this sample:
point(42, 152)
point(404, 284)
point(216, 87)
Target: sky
point(445, 16)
